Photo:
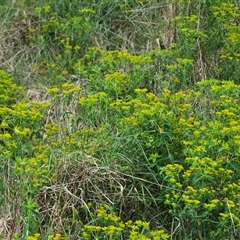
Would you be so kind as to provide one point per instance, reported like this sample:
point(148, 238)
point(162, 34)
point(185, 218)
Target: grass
point(119, 120)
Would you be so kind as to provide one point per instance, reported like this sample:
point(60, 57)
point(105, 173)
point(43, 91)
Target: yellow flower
point(53, 91)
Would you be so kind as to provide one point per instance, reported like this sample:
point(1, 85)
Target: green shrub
point(139, 119)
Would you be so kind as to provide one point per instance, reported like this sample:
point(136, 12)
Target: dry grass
point(79, 181)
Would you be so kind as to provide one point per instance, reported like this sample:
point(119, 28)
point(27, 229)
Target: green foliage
point(22, 154)
point(136, 134)
point(9, 90)
point(191, 139)
point(200, 39)
point(107, 225)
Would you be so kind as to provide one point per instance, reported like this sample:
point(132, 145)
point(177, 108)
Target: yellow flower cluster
point(21, 124)
point(107, 225)
point(56, 236)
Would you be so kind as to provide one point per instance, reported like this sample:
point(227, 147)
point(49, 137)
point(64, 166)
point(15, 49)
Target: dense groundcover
point(120, 120)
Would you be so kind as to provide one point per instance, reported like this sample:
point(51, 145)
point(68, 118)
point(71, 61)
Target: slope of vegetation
point(119, 120)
